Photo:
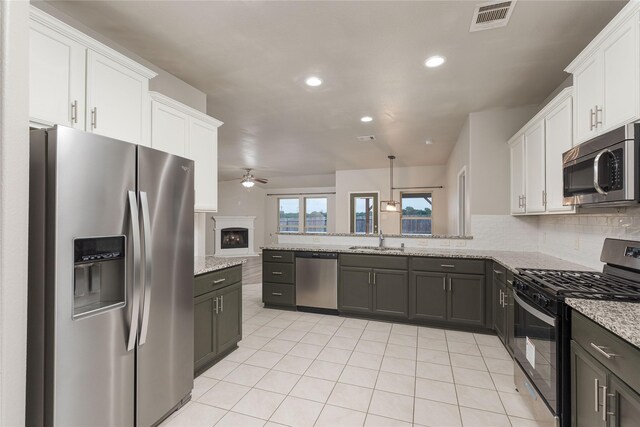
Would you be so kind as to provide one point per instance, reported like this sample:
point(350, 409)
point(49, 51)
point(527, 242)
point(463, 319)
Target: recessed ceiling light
point(434, 61)
point(428, 142)
point(366, 119)
point(313, 81)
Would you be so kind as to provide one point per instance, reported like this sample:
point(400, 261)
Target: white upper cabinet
point(77, 81)
point(184, 131)
point(516, 150)
point(535, 168)
point(117, 100)
point(536, 159)
point(606, 77)
point(56, 78)
point(558, 139)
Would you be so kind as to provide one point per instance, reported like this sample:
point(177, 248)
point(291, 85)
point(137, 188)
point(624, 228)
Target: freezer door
point(165, 344)
point(88, 302)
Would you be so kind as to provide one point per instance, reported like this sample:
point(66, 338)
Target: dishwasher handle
point(317, 255)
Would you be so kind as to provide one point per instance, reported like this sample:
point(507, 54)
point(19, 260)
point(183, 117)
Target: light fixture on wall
point(390, 205)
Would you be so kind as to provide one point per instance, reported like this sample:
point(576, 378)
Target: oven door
point(536, 347)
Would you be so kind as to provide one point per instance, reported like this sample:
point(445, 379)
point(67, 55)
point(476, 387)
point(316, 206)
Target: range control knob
point(544, 301)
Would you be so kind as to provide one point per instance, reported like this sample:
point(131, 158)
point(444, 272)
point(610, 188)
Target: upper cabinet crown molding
point(562, 96)
point(157, 96)
point(627, 12)
point(55, 24)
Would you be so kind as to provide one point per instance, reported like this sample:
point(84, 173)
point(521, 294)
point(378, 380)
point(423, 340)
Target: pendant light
point(390, 205)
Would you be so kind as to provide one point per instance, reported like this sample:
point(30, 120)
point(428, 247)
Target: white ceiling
point(251, 59)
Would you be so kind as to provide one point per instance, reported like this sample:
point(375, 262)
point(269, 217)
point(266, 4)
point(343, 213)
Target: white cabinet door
point(534, 167)
point(56, 78)
point(169, 129)
point(203, 149)
point(558, 139)
point(517, 175)
point(588, 94)
point(621, 89)
point(117, 100)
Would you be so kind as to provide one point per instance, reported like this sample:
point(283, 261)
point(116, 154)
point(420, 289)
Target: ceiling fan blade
point(261, 180)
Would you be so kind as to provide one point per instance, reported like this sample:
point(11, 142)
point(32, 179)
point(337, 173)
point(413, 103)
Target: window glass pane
point(289, 215)
point(315, 215)
point(364, 214)
point(416, 213)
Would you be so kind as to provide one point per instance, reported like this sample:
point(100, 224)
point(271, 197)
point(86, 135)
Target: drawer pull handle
point(510, 282)
point(278, 294)
point(498, 272)
point(277, 273)
point(601, 351)
point(276, 256)
point(215, 282)
point(447, 266)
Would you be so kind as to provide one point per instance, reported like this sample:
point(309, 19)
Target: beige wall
point(458, 160)
point(377, 180)
point(14, 207)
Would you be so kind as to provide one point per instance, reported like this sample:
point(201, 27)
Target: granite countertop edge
point(400, 236)
point(620, 318)
point(209, 263)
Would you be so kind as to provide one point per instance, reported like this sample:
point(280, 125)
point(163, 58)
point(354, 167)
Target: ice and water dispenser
point(99, 275)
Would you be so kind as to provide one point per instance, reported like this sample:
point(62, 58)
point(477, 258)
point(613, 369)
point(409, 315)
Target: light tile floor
point(303, 369)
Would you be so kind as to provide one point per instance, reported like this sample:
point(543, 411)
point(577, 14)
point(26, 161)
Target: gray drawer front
point(216, 279)
point(278, 294)
point(625, 364)
point(278, 256)
point(374, 261)
point(499, 273)
point(277, 272)
point(448, 265)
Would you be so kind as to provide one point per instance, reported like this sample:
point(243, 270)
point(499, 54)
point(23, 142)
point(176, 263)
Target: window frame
point(278, 215)
point(304, 214)
point(376, 214)
point(402, 216)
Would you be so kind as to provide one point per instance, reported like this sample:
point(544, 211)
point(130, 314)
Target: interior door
point(117, 98)
point(558, 139)
point(92, 370)
point(517, 175)
point(56, 78)
point(534, 166)
point(165, 346)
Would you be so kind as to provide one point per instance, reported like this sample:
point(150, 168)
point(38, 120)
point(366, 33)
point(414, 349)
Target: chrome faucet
point(380, 239)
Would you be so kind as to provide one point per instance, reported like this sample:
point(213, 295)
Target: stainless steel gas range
point(542, 330)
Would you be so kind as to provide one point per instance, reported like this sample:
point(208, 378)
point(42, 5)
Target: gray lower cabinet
point(383, 292)
point(217, 324)
point(500, 310)
point(452, 298)
point(605, 379)
point(278, 279)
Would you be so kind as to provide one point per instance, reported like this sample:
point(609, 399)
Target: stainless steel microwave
point(604, 170)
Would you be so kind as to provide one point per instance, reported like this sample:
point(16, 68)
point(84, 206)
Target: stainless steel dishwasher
point(317, 280)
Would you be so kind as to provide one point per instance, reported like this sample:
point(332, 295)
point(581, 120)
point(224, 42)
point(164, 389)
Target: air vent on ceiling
point(366, 138)
point(491, 15)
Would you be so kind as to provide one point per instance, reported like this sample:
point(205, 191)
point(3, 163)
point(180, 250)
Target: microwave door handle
point(146, 229)
point(596, 165)
point(533, 311)
point(135, 304)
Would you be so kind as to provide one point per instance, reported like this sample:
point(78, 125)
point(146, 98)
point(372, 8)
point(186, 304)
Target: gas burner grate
point(585, 284)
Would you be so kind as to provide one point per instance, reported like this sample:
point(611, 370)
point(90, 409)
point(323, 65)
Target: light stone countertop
point(621, 318)
point(510, 259)
point(404, 236)
point(209, 263)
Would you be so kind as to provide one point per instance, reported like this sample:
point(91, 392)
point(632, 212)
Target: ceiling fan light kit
point(248, 180)
point(390, 205)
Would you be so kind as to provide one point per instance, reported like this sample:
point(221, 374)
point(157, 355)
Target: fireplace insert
point(234, 238)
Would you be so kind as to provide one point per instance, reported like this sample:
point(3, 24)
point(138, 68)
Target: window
point(364, 213)
point(289, 216)
point(315, 215)
point(416, 213)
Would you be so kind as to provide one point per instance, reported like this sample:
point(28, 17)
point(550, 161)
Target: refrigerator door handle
point(135, 304)
point(146, 229)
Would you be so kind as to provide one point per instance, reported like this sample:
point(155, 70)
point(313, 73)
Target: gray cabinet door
point(466, 299)
point(588, 377)
point(428, 296)
point(229, 318)
point(355, 289)
point(509, 318)
point(500, 313)
point(204, 329)
point(391, 293)
point(623, 405)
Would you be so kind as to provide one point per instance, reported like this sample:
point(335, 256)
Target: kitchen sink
point(374, 248)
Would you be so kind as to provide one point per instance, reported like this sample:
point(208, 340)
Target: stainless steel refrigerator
point(110, 325)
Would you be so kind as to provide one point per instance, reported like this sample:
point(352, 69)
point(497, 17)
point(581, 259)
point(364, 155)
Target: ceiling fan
point(248, 180)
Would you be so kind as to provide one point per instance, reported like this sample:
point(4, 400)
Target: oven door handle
point(533, 311)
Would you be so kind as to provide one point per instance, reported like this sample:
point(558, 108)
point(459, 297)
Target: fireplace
point(234, 237)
